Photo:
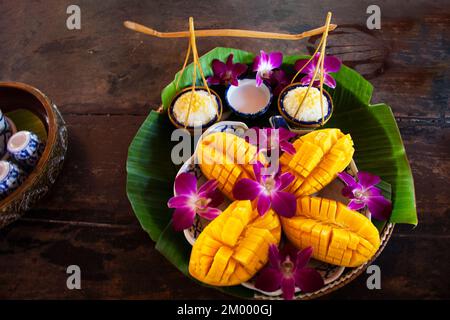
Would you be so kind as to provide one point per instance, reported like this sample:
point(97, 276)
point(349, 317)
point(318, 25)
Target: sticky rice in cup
point(311, 111)
point(206, 108)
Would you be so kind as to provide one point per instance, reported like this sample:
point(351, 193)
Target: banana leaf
point(151, 173)
point(378, 144)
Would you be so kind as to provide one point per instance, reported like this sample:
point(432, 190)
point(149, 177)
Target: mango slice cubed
point(234, 246)
point(337, 234)
point(320, 156)
point(227, 158)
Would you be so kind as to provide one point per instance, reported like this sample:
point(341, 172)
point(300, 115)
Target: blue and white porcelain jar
point(5, 133)
point(26, 148)
point(4, 125)
point(11, 177)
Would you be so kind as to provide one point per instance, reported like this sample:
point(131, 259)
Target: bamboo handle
point(226, 32)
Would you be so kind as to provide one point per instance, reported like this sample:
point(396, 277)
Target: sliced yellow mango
point(234, 246)
point(320, 156)
point(227, 158)
point(337, 234)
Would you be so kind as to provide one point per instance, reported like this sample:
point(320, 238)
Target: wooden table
point(105, 79)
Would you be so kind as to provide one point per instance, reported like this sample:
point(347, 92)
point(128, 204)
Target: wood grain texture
point(105, 79)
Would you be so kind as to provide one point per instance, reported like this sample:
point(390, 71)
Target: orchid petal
point(264, 57)
point(308, 280)
point(238, 69)
point(246, 189)
point(218, 67)
point(216, 198)
point(287, 147)
point(259, 80)
point(288, 287)
point(257, 166)
point(274, 256)
point(306, 79)
point(179, 201)
point(286, 134)
point(373, 192)
point(366, 179)
point(207, 187)
point(379, 207)
point(347, 192)
point(286, 179)
point(275, 59)
point(278, 76)
point(269, 279)
point(234, 82)
point(316, 59)
point(264, 203)
point(288, 252)
point(185, 183)
point(214, 80)
point(303, 257)
point(256, 63)
point(299, 64)
point(209, 213)
point(183, 218)
point(332, 64)
point(226, 72)
point(229, 63)
point(356, 204)
point(329, 80)
point(347, 178)
point(283, 203)
point(278, 80)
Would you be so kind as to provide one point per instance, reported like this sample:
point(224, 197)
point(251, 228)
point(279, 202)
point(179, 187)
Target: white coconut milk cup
point(247, 100)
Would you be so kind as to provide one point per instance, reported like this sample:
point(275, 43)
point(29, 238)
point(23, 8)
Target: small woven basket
point(15, 96)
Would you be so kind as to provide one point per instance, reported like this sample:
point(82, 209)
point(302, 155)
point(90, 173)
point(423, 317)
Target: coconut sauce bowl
point(247, 100)
point(205, 114)
point(311, 114)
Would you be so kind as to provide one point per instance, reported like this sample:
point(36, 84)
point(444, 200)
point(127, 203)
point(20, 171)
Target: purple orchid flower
point(280, 137)
point(287, 271)
point(278, 81)
point(188, 201)
point(269, 191)
point(265, 63)
point(226, 73)
point(330, 64)
point(365, 193)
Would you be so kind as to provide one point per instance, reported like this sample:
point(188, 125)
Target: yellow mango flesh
point(337, 234)
point(320, 156)
point(227, 158)
point(234, 246)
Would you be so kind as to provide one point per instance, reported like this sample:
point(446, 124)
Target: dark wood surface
point(105, 79)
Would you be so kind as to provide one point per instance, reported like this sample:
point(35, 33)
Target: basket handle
point(227, 32)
